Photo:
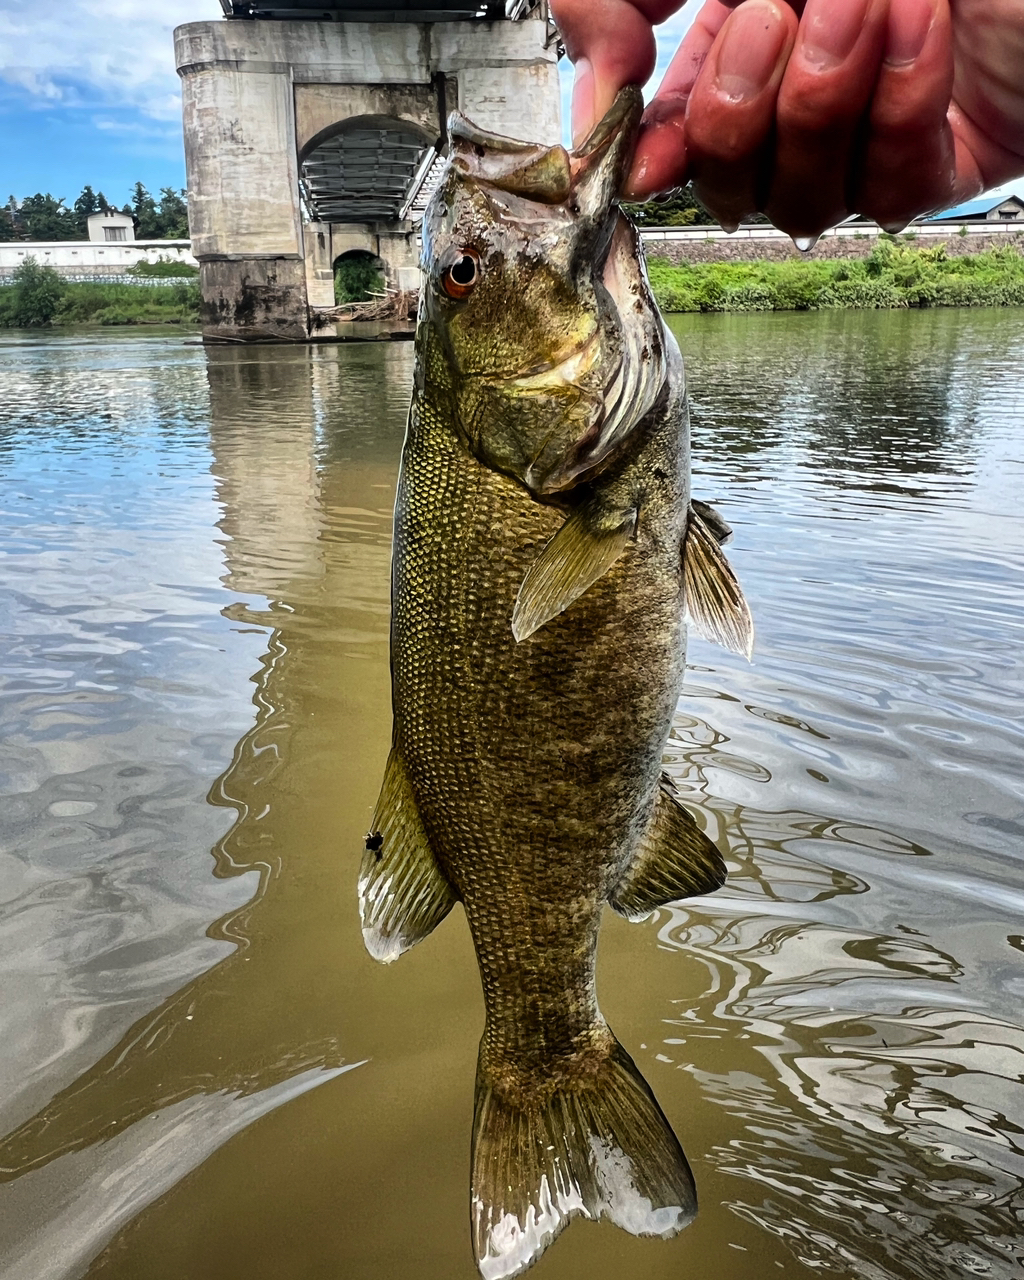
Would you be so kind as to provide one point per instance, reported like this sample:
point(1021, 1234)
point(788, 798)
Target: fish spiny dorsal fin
point(402, 892)
point(583, 550)
point(528, 169)
point(714, 599)
point(594, 1144)
point(675, 860)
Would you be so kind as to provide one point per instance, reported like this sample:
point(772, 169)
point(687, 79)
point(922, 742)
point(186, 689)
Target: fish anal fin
point(594, 1146)
point(583, 550)
point(714, 598)
point(675, 860)
point(403, 895)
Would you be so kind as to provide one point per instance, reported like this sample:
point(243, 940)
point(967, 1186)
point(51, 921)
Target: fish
point(545, 551)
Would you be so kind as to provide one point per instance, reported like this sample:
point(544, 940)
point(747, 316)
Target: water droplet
point(730, 228)
point(894, 228)
point(805, 243)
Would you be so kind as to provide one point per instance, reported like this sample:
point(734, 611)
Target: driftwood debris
point(395, 304)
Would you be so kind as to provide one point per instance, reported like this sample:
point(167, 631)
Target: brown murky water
point(203, 1076)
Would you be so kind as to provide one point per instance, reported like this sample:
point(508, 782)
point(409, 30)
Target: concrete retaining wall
point(87, 258)
point(757, 244)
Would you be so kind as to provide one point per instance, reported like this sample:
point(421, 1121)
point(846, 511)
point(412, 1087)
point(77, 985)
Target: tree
point(146, 214)
point(36, 295)
point(173, 214)
point(44, 217)
point(84, 207)
point(680, 209)
point(8, 225)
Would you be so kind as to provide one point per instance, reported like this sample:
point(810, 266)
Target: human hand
point(889, 108)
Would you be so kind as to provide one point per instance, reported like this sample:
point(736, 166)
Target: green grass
point(894, 275)
point(111, 304)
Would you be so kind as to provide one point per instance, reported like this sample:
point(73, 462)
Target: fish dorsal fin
point(714, 597)
point(583, 550)
point(402, 893)
point(675, 860)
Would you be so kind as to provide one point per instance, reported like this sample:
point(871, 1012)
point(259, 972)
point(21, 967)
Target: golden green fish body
point(535, 765)
point(539, 583)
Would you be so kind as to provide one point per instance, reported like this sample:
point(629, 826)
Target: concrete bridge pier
point(343, 119)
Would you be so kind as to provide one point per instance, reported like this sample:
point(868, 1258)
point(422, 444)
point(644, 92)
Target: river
point(202, 1074)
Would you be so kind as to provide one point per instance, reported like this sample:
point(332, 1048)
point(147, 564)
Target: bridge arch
point(364, 169)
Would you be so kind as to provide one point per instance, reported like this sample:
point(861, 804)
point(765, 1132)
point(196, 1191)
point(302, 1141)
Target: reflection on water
point(203, 1074)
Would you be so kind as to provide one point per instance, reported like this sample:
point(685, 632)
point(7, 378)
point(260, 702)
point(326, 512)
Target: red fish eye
point(459, 280)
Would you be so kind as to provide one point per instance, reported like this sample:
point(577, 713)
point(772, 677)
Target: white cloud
point(88, 52)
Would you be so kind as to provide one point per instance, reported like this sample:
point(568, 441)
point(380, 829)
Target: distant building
point(111, 228)
point(94, 259)
point(984, 209)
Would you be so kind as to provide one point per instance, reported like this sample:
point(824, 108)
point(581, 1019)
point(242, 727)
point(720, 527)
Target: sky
point(89, 94)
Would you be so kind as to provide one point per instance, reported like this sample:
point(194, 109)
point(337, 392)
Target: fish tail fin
point(595, 1144)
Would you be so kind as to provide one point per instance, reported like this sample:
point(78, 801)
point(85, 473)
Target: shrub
point(163, 267)
point(356, 278)
point(35, 296)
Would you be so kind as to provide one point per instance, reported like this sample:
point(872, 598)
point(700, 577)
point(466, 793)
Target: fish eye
point(459, 280)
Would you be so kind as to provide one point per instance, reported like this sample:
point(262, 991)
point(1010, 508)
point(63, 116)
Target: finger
point(826, 89)
point(731, 110)
point(908, 162)
point(988, 92)
point(612, 44)
point(659, 161)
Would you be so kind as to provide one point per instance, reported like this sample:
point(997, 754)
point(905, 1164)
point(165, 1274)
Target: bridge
point(315, 131)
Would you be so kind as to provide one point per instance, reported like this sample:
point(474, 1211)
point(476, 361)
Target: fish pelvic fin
point(403, 894)
point(675, 860)
point(596, 1145)
point(583, 550)
point(714, 598)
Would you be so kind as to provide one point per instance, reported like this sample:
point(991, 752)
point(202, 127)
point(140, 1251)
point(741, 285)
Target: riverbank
point(893, 275)
point(104, 304)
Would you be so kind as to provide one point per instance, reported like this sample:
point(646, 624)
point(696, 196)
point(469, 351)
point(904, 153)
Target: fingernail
point(829, 30)
point(749, 49)
point(909, 24)
point(582, 101)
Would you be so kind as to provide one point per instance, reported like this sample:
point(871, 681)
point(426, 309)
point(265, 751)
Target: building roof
point(975, 208)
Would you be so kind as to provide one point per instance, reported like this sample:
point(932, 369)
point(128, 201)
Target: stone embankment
point(767, 245)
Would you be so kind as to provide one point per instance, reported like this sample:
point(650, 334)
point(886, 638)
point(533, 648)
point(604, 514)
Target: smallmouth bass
point(545, 550)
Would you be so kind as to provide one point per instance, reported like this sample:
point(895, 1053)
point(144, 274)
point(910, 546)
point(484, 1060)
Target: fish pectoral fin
point(403, 894)
point(714, 598)
point(675, 860)
point(594, 1146)
point(583, 550)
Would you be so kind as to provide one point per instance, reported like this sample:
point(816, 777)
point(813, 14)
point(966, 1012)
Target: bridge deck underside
point(368, 175)
point(373, 10)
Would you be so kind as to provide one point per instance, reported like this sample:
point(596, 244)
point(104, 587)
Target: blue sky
point(88, 93)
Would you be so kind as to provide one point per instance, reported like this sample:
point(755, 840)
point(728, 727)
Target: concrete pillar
point(243, 190)
point(257, 94)
point(319, 264)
